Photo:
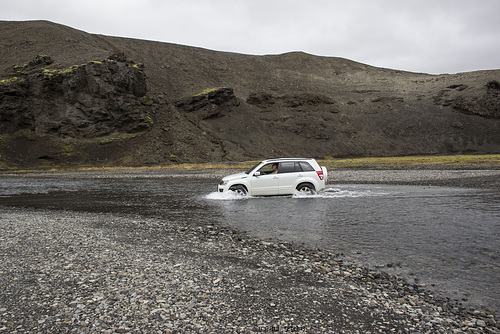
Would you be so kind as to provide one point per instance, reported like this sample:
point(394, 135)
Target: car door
point(266, 183)
point(289, 175)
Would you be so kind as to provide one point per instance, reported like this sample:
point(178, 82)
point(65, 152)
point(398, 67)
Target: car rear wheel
point(239, 189)
point(306, 188)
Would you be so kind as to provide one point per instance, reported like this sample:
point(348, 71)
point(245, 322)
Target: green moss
point(26, 134)
point(50, 73)
point(11, 81)
point(3, 165)
point(208, 90)
point(67, 150)
point(146, 101)
point(107, 141)
point(110, 140)
point(43, 57)
point(19, 68)
point(3, 144)
point(149, 119)
point(69, 70)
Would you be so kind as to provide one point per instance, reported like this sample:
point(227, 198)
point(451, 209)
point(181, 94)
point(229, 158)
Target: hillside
point(72, 98)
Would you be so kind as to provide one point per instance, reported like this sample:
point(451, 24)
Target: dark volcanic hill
point(71, 98)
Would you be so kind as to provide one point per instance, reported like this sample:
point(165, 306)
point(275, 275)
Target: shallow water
point(447, 238)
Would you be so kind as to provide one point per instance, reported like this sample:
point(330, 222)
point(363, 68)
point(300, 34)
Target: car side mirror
point(256, 174)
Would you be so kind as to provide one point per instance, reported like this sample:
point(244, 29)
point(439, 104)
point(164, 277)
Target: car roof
point(286, 159)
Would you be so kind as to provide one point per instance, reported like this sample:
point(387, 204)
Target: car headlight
point(223, 183)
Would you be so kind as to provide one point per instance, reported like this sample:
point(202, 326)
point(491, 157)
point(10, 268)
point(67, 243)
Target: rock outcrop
point(210, 103)
point(265, 100)
point(84, 101)
point(487, 105)
point(484, 101)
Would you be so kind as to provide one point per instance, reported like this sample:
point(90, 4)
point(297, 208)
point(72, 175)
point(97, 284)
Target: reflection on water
point(442, 236)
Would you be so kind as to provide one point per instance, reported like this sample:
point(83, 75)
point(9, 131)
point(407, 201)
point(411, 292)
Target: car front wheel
point(306, 188)
point(239, 189)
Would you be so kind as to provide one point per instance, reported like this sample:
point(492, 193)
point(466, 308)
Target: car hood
point(235, 176)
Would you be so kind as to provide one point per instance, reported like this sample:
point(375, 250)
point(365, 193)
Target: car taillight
point(320, 174)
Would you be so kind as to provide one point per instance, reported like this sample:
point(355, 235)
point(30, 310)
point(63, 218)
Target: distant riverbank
point(471, 176)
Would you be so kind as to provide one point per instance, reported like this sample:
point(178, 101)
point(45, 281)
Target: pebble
point(102, 273)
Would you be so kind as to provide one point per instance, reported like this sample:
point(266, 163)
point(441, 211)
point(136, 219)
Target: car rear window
point(306, 167)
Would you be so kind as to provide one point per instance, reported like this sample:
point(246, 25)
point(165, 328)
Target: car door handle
point(300, 175)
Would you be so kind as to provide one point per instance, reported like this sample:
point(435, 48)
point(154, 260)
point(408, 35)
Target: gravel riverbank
point(64, 271)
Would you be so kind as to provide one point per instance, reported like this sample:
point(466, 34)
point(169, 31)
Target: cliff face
point(483, 102)
point(84, 101)
point(87, 102)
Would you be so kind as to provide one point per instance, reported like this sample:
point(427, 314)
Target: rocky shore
point(64, 271)
point(458, 176)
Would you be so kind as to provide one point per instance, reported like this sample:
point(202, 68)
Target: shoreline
point(444, 176)
point(65, 271)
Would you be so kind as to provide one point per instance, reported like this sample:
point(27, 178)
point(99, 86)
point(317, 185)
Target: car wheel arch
point(236, 186)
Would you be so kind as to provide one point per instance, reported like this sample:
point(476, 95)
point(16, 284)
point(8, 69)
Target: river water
point(446, 238)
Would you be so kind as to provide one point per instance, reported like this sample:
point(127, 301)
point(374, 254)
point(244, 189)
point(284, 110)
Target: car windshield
point(254, 166)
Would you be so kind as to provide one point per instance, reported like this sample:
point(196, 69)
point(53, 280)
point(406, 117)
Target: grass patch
point(479, 161)
point(485, 159)
point(201, 166)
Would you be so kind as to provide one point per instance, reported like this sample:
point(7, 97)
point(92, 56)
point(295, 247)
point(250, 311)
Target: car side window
point(286, 167)
point(266, 169)
point(306, 167)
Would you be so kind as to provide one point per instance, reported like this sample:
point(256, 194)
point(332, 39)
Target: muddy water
point(447, 238)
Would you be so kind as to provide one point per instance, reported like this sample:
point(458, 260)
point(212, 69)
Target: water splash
point(332, 192)
point(346, 192)
point(226, 196)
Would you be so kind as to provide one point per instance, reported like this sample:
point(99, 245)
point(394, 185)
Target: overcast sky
point(431, 36)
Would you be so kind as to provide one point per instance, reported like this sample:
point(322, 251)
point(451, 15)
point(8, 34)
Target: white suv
point(282, 176)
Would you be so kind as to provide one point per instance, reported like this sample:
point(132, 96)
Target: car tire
point(306, 188)
point(239, 189)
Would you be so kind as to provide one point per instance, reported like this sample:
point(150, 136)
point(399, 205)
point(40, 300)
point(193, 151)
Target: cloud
point(445, 36)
